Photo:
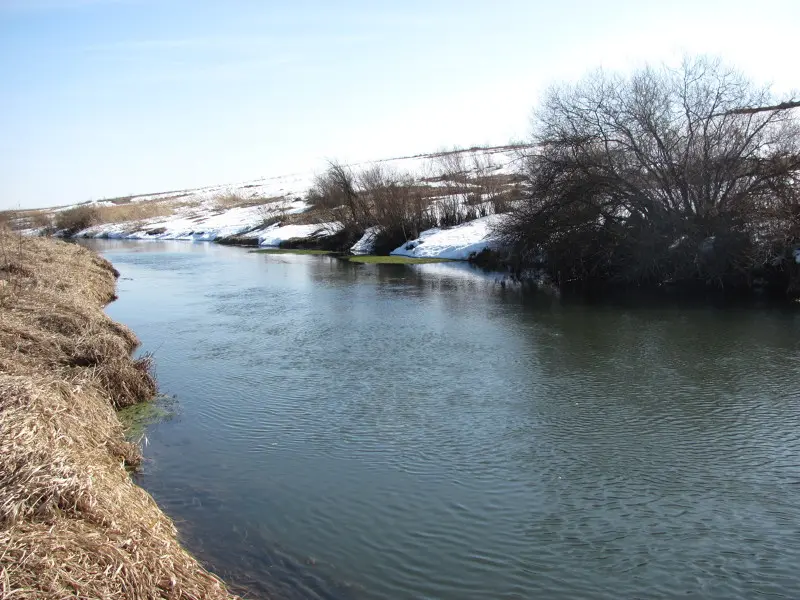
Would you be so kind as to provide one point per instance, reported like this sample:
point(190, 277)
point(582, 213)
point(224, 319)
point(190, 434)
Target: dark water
point(348, 431)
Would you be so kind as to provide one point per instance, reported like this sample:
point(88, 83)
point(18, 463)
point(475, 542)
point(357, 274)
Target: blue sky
point(102, 98)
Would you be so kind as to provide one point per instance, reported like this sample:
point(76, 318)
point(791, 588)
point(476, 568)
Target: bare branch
point(749, 111)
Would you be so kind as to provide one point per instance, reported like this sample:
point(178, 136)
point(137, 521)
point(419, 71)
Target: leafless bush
point(660, 177)
point(77, 218)
point(493, 188)
point(395, 206)
point(335, 190)
point(451, 167)
point(375, 196)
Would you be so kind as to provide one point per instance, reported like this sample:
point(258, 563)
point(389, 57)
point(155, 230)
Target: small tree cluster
point(668, 175)
point(397, 207)
point(373, 197)
point(474, 188)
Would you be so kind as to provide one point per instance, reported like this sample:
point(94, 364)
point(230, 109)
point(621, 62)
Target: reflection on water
point(363, 431)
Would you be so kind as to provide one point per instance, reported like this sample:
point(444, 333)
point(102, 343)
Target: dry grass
point(24, 219)
point(72, 523)
point(237, 199)
point(135, 211)
point(86, 215)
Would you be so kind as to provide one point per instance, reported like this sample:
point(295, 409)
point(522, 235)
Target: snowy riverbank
point(273, 212)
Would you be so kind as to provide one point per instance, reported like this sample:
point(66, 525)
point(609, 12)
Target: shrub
point(73, 220)
point(373, 197)
point(398, 208)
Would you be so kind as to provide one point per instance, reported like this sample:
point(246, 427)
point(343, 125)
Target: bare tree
point(372, 197)
point(659, 176)
point(335, 192)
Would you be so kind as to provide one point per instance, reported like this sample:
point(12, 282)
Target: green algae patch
point(290, 251)
point(137, 418)
point(393, 260)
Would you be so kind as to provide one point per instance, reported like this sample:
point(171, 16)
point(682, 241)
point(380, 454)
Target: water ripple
point(410, 433)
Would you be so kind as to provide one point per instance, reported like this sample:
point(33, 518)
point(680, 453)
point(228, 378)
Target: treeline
point(666, 176)
point(397, 206)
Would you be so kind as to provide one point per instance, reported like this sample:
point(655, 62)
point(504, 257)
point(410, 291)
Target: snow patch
point(455, 243)
point(204, 223)
point(272, 236)
point(366, 245)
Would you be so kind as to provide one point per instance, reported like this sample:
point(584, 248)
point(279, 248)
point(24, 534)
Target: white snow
point(366, 245)
point(274, 235)
point(456, 243)
point(203, 222)
point(294, 185)
point(797, 255)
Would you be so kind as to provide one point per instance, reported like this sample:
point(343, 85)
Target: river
point(353, 431)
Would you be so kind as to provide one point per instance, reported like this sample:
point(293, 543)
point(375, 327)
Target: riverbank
point(437, 205)
point(72, 523)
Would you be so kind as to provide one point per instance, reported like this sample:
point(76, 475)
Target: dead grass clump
point(313, 216)
point(237, 199)
point(64, 323)
point(68, 559)
point(93, 350)
point(228, 200)
point(135, 211)
point(127, 382)
point(72, 523)
point(8, 218)
point(39, 479)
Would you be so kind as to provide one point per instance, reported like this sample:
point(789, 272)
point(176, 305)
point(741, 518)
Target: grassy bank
point(72, 523)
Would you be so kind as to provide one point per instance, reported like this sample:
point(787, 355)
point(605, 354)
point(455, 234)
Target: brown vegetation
point(373, 197)
point(236, 199)
point(26, 219)
point(82, 216)
point(400, 206)
point(72, 523)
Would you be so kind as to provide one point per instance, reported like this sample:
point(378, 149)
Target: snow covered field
point(197, 224)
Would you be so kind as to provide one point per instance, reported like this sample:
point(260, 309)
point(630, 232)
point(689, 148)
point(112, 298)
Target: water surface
point(359, 431)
